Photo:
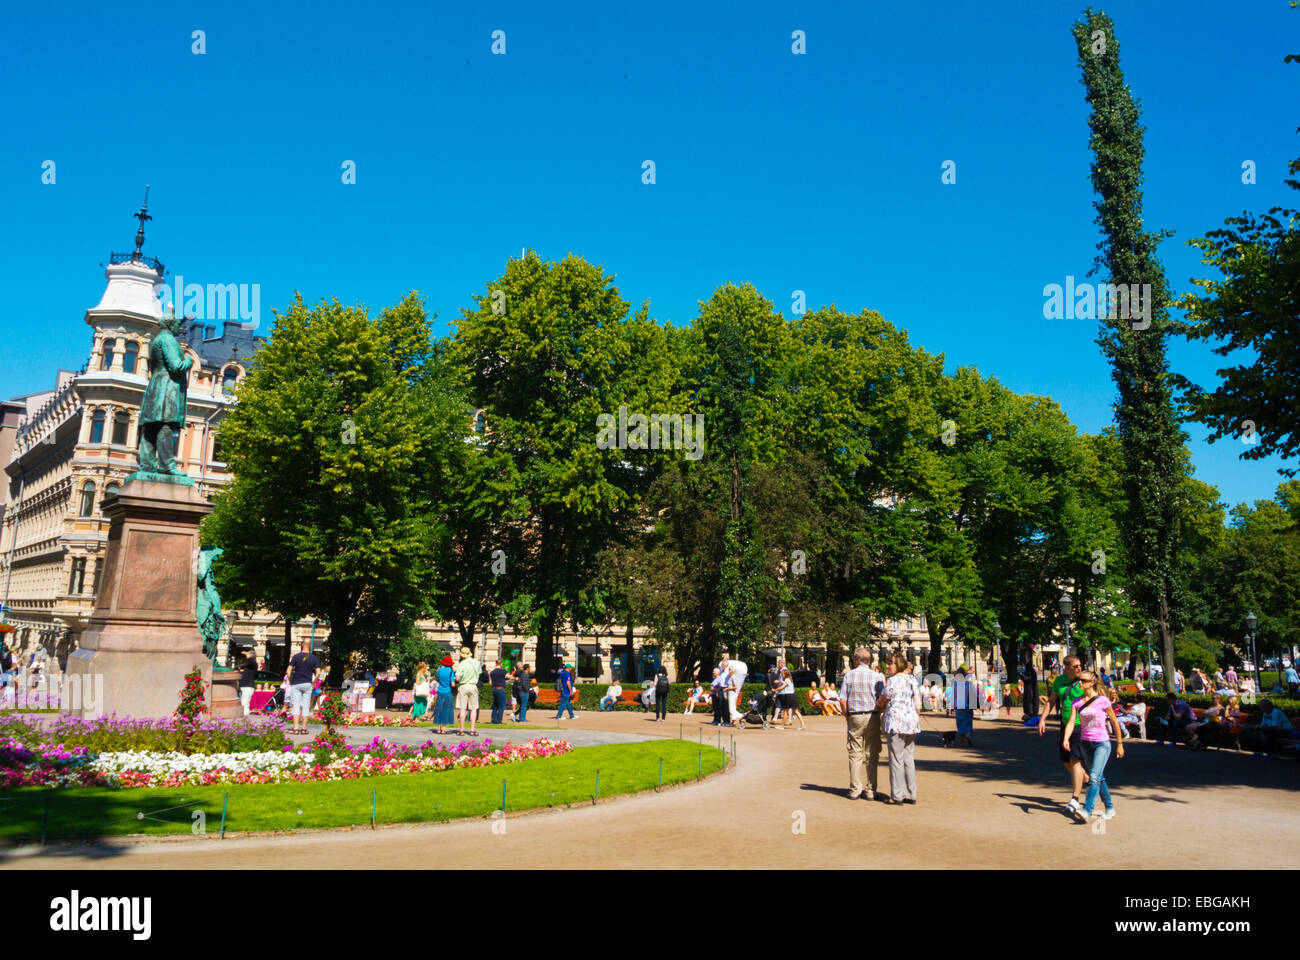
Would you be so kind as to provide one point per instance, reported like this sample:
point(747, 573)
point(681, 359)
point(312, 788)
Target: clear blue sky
point(818, 172)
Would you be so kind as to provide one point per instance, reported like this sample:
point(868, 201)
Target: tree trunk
point(628, 651)
point(1166, 643)
point(546, 646)
point(935, 664)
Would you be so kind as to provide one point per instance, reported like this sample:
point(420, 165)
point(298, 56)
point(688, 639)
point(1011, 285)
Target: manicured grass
point(404, 798)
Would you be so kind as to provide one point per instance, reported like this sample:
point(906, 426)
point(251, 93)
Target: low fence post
point(374, 800)
point(225, 800)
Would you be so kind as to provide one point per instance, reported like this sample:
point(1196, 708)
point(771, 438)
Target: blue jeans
point(607, 703)
point(1100, 753)
point(565, 704)
point(498, 704)
point(523, 707)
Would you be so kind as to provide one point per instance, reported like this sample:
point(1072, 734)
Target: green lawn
point(404, 798)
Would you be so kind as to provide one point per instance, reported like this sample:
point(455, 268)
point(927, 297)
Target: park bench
point(629, 698)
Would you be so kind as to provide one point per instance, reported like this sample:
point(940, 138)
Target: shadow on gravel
point(1017, 755)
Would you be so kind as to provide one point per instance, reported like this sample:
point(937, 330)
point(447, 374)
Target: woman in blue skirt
point(442, 706)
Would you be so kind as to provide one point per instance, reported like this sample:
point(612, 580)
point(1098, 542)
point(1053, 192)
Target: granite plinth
point(143, 638)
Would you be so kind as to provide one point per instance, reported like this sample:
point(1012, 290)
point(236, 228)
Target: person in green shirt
point(467, 674)
point(1064, 690)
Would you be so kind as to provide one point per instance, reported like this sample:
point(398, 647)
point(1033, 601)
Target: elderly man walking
point(859, 689)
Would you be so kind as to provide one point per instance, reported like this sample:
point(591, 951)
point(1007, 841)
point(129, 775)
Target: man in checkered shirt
point(858, 691)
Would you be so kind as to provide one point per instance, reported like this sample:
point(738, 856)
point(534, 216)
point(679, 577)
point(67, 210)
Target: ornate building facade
point(68, 448)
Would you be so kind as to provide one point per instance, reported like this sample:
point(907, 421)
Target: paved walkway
point(997, 805)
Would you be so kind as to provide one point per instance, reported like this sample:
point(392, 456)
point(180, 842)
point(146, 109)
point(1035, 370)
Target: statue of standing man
point(162, 411)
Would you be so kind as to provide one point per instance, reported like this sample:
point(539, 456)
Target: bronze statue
point(162, 411)
point(208, 613)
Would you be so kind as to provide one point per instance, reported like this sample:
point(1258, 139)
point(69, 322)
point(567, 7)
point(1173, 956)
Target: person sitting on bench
point(1170, 728)
point(697, 696)
point(611, 696)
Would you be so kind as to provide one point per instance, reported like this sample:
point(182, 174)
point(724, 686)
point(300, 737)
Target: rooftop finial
point(142, 216)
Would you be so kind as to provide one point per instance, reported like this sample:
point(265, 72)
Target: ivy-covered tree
point(1132, 340)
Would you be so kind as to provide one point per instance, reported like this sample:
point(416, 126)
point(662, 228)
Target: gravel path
point(784, 804)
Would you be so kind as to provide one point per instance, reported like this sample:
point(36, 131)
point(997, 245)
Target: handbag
point(422, 688)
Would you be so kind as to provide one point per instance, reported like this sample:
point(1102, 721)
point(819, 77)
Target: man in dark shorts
point(304, 668)
point(1065, 689)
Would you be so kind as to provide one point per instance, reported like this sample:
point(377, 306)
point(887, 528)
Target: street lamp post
point(501, 636)
point(997, 645)
point(1251, 622)
point(782, 619)
point(1066, 605)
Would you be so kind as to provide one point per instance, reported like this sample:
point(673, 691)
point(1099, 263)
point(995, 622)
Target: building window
point(97, 427)
point(228, 380)
point(120, 422)
point(216, 448)
point(87, 498)
point(109, 491)
point(109, 347)
point(129, 358)
point(78, 582)
point(480, 423)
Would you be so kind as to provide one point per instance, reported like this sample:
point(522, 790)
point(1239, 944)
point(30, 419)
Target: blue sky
point(818, 172)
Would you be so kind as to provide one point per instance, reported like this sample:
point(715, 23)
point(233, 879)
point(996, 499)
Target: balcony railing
point(152, 262)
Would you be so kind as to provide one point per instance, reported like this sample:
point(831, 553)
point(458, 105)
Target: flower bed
point(162, 735)
point(55, 765)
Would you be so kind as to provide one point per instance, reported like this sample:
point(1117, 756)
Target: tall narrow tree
point(1134, 341)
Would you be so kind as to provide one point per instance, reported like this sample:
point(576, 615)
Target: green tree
point(334, 448)
point(1253, 306)
point(549, 348)
point(1134, 344)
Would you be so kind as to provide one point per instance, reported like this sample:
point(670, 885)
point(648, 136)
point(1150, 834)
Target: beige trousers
point(864, 750)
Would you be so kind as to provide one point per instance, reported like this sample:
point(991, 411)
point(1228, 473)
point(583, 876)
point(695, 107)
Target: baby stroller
point(757, 714)
point(275, 704)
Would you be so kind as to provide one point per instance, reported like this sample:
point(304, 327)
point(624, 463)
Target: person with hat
point(564, 686)
point(467, 676)
point(446, 677)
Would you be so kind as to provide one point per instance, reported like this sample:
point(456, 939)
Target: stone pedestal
point(225, 694)
point(143, 638)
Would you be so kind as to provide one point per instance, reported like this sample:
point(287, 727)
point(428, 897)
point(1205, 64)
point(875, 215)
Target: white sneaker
point(1108, 814)
point(1080, 814)
point(1073, 805)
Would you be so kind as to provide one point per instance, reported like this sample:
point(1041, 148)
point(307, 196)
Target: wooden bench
point(547, 696)
point(629, 698)
point(1127, 688)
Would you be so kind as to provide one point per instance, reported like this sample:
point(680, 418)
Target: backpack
point(661, 685)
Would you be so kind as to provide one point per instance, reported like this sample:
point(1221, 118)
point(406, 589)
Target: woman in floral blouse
point(901, 722)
